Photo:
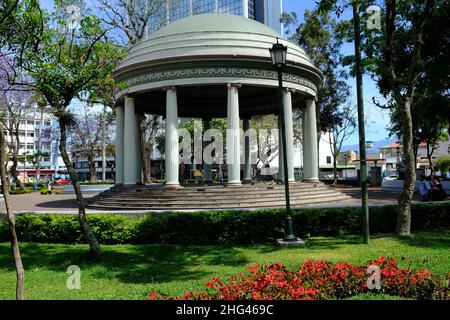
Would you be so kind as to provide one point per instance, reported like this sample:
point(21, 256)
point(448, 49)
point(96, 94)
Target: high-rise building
point(267, 12)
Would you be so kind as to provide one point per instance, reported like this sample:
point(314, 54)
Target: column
point(119, 144)
point(280, 153)
point(131, 143)
point(289, 126)
point(247, 153)
point(310, 158)
point(171, 152)
point(207, 174)
point(233, 136)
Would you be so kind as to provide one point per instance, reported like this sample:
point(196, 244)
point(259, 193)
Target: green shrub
point(41, 184)
point(19, 191)
point(45, 191)
point(220, 227)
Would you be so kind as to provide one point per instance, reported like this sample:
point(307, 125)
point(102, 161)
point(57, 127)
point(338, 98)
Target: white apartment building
point(32, 125)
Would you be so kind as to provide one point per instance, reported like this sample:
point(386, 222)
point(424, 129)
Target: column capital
point(169, 88)
point(311, 98)
point(234, 85)
point(287, 89)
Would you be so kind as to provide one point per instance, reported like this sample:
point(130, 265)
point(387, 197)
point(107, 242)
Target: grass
point(132, 271)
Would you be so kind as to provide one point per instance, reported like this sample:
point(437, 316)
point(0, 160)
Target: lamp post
point(278, 53)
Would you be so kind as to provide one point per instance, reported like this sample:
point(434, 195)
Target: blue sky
point(376, 119)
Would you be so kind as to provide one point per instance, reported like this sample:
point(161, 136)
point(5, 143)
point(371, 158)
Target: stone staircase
point(259, 195)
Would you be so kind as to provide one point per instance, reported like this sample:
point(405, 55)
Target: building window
point(231, 6)
point(328, 160)
point(203, 6)
point(30, 122)
point(179, 9)
point(251, 9)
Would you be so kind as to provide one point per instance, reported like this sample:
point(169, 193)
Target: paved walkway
point(66, 203)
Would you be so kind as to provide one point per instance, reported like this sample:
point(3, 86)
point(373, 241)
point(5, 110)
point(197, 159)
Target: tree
point(14, 106)
point(400, 68)
point(339, 131)
point(20, 272)
point(7, 9)
point(130, 21)
point(431, 104)
point(320, 36)
point(270, 150)
point(8, 30)
point(443, 164)
point(64, 63)
point(86, 138)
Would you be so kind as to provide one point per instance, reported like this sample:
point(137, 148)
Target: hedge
point(220, 227)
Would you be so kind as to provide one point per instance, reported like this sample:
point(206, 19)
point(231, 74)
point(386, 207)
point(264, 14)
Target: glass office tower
point(264, 11)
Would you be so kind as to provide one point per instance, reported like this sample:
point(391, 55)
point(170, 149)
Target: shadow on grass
point(128, 264)
point(437, 239)
point(317, 243)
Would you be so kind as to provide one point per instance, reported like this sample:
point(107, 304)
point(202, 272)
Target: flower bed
point(319, 280)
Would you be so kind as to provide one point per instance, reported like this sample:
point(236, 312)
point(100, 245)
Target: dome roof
point(212, 37)
point(201, 54)
point(215, 22)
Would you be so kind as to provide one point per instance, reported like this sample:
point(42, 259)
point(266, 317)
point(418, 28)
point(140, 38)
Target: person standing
point(424, 188)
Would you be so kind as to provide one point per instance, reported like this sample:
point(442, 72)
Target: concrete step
point(209, 202)
point(204, 197)
point(236, 205)
point(223, 195)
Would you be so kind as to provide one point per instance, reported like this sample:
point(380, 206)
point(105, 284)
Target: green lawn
point(132, 271)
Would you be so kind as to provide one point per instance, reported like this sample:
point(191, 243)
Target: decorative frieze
point(216, 72)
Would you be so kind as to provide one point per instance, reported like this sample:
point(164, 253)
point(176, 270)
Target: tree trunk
point(92, 171)
point(20, 273)
point(144, 152)
point(90, 237)
point(15, 159)
point(335, 178)
point(104, 144)
point(429, 156)
point(404, 215)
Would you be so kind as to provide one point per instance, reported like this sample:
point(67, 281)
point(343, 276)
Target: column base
point(295, 243)
point(233, 184)
point(289, 181)
point(311, 180)
point(172, 186)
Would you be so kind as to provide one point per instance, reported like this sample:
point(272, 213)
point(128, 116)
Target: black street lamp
point(278, 53)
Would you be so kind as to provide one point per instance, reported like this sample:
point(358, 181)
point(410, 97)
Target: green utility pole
point(361, 127)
